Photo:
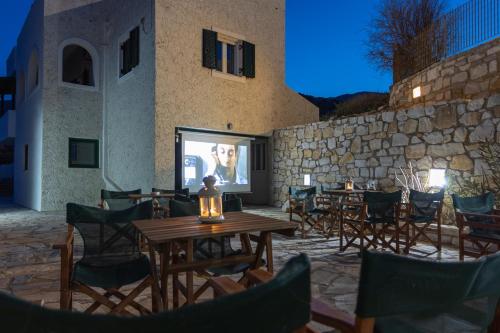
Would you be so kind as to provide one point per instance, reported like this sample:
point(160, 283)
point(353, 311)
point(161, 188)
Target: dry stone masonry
point(469, 75)
point(374, 146)
point(458, 110)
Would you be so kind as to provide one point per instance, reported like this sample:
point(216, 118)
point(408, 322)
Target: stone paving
point(29, 268)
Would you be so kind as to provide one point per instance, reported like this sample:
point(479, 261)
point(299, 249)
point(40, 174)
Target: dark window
point(26, 158)
point(228, 55)
point(258, 156)
point(129, 52)
point(83, 153)
point(219, 56)
point(231, 59)
point(77, 66)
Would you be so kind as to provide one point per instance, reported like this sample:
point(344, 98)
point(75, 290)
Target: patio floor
point(29, 268)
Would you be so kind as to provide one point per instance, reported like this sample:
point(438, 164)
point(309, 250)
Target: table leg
point(189, 274)
point(157, 302)
point(269, 252)
point(246, 244)
point(164, 275)
point(260, 249)
point(175, 277)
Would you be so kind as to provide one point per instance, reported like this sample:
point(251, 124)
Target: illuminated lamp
point(210, 202)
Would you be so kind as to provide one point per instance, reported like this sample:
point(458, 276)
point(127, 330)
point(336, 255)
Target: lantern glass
point(349, 185)
point(210, 202)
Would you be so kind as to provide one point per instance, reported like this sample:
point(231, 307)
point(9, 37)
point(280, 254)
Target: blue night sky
point(325, 44)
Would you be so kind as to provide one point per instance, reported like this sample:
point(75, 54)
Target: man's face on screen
point(226, 155)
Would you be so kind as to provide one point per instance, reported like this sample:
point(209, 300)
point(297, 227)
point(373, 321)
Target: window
point(20, 87)
point(228, 54)
point(77, 67)
point(33, 72)
point(83, 153)
point(26, 162)
point(259, 152)
point(129, 52)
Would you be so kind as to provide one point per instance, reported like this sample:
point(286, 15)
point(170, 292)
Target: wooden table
point(163, 234)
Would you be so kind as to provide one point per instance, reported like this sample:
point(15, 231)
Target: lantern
point(210, 202)
point(349, 184)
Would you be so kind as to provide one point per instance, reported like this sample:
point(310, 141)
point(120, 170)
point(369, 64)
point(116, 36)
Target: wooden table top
point(160, 231)
point(151, 195)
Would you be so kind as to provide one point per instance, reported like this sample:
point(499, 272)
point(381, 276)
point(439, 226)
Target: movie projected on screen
point(226, 157)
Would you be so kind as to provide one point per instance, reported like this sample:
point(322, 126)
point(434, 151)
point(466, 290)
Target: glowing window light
point(417, 92)
point(307, 180)
point(437, 177)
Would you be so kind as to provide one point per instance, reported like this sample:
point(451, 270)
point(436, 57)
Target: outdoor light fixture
point(307, 180)
point(417, 92)
point(349, 184)
point(210, 202)
point(437, 177)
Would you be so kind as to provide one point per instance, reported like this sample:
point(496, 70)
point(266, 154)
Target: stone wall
point(374, 146)
point(472, 74)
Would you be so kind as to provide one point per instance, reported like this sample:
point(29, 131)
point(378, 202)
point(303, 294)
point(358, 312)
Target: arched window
point(77, 66)
point(33, 72)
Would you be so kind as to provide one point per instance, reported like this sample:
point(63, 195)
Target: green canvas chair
point(399, 294)
point(111, 258)
point(373, 223)
point(424, 209)
point(117, 200)
point(478, 222)
point(281, 306)
point(311, 209)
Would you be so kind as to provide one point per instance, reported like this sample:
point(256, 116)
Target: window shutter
point(134, 47)
point(126, 57)
point(209, 49)
point(248, 59)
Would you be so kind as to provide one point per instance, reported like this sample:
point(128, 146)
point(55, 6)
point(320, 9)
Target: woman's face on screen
point(226, 155)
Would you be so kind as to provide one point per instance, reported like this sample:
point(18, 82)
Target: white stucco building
point(102, 86)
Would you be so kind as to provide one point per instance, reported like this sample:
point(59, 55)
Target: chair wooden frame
point(419, 230)
point(482, 244)
point(321, 312)
point(68, 286)
point(353, 226)
point(297, 206)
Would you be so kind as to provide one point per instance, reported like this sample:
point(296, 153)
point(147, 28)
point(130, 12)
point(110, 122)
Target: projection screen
point(225, 156)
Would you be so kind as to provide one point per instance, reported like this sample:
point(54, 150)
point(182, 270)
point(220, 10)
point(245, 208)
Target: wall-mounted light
point(307, 180)
point(437, 177)
point(417, 92)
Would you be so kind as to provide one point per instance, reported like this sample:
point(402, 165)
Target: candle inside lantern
point(210, 202)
